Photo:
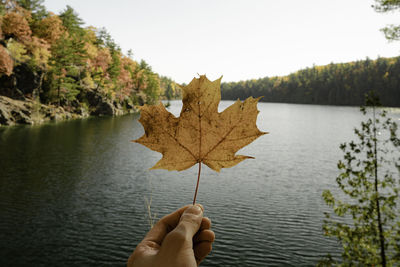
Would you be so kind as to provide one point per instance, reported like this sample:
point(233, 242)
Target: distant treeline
point(333, 84)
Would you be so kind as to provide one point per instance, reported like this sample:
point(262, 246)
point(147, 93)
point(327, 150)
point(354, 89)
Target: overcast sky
point(239, 39)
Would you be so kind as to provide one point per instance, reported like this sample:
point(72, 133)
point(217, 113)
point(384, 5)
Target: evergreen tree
point(66, 64)
point(71, 20)
point(104, 39)
point(333, 84)
point(169, 92)
point(2, 9)
point(36, 7)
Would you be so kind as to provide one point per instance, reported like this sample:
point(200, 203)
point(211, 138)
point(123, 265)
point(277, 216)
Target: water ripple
point(72, 194)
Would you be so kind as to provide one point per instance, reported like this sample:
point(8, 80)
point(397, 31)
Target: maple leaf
point(201, 134)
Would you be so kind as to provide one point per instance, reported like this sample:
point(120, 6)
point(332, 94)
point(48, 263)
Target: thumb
point(187, 227)
point(191, 220)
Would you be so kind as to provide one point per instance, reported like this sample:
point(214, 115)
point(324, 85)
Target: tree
point(36, 7)
point(2, 8)
point(130, 54)
point(72, 63)
point(144, 66)
point(71, 20)
point(6, 62)
point(49, 28)
point(168, 88)
point(68, 57)
point(365, 217)
point(148, 82)
point(18, 52)
point(39, 51)
point(333, 84)
point(169, 92)
point(14, 25)
point(392, 32)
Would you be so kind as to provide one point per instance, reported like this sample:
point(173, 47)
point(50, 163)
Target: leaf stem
point(197, 185)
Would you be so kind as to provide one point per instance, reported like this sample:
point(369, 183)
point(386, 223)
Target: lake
point(73, 193)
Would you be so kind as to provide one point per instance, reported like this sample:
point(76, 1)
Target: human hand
point(180, 239)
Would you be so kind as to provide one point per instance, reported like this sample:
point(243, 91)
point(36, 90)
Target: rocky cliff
point(28, 111)
point(20, 101)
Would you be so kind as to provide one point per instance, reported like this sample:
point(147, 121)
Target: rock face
point(103, 106)
point(30, 112)
point(22, 82)
point(13, 111)
point(16, 107)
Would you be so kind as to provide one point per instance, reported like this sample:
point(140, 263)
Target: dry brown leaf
point(201, 134)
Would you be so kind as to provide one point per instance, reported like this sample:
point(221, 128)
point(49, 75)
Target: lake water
point(73, 193)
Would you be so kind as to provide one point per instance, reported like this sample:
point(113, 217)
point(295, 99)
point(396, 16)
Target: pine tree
point(66, 64)
point(36, 7)
point(71, 20)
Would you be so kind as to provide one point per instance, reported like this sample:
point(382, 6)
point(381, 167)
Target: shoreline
point(29, 112)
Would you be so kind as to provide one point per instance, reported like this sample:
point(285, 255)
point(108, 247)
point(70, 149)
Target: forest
point(55, 60)
point(333, 84)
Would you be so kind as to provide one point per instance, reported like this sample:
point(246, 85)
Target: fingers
point(187, 227)
point(205, 223)
point(164, 226)
point(191, 220)
point(202, 241)
point(201, 250)
point(204, 236)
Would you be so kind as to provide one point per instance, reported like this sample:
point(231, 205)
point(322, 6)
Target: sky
point(239, 39)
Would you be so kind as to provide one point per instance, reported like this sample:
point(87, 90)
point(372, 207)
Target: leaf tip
point(156, 167)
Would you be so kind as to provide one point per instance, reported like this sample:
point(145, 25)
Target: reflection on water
point(72, 193)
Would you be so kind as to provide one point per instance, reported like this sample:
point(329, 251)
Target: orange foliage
point(201, 134)
point(102, 60)
point(50, 28)
point(6, 63)
point(40, 51)
point(15, 25)
point(91, 51)
point(141, 80)
point(13, 6)
point(125, 77)
point(128, 63)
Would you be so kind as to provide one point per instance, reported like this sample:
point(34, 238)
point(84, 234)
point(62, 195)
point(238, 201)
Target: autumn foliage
point(6, 63)
point(201, 135)
point(50, 28)
point(73, 62)
point(16, 26)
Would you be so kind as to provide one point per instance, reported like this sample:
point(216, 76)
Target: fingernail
point(196, 209)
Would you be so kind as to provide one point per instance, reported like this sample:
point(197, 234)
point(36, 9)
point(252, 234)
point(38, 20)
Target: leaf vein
point(173, 137)
point(223, 138)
